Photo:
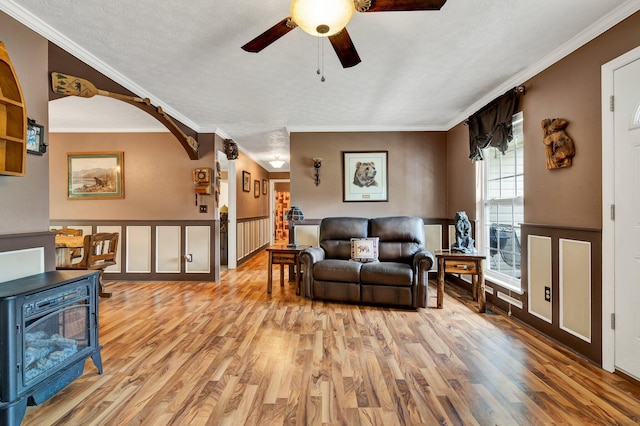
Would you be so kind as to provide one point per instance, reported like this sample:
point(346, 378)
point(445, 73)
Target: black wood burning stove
point(48, 329)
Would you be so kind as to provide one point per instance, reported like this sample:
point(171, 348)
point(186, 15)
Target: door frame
point(608, 200)
point(232, 255)
point(272, 207)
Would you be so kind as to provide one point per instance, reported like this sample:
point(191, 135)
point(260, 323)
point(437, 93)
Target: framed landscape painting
point(95, 175)
point(364, 176)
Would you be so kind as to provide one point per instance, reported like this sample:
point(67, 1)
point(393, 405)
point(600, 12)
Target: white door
point(627, 217)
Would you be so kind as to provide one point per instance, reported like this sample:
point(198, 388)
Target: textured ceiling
point(424, 70)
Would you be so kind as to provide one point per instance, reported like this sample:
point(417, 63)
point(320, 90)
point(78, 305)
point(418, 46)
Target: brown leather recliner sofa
point(400, 277)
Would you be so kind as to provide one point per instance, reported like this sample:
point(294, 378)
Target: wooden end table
point(462, 263)
point(281, 254)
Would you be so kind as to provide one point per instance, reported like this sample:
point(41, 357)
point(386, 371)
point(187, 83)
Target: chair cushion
point(386, 273)
point(364, 250)
point(337, 270)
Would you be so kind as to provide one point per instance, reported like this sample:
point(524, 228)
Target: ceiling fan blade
point(269, 36)
point(345, 49)
point(400, 5)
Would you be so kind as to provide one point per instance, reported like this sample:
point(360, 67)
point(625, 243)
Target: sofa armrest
point(308, 258)
point(422, 262)
point(312, 255)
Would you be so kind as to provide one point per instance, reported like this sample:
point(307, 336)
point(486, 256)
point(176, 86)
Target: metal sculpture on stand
point(464, 242)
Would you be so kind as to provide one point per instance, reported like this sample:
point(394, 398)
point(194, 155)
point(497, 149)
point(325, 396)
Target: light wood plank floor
point(227, 353)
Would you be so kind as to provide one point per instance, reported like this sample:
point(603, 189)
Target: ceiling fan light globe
point(330, 16)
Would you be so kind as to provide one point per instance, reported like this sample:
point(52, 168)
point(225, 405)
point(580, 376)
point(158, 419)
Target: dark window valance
point(491, 125)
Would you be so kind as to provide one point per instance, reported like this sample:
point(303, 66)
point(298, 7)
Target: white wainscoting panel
point(539, 261)
point(433, 241)
point(254, 234)
point(266, 238)
point(139, 249)
point(198, 243)
point(247, 237)
point(575, 288)
point(168, 258)
point(251, 235)
point(117, 268)
point(86, 229)
point(308, 235)
point(240, 241)
point(21, 263)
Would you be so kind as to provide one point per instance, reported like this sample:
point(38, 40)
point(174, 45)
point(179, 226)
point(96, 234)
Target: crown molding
point(218, 131)
point(22, 15)
point(107, 130)
point(376, 128)
point(622, 12)
point(599, 27)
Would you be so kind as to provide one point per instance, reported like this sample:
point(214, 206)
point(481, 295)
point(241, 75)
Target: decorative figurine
point(464, 242)
point(231, 149)
point(559, 148)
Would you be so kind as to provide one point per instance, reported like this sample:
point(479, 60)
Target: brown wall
point(282, 187)
point(279, 175)
point(158, 179)
point(461, 174)
point(248, 205)
point(417, 173)
point(24, 205)
point(569, 89)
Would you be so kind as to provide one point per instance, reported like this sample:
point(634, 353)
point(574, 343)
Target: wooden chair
point(71, 232)
point(99, 253)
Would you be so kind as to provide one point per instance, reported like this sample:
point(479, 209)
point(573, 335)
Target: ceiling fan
point(328, 18)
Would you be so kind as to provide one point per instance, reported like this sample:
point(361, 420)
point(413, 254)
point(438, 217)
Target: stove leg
point(97, 361)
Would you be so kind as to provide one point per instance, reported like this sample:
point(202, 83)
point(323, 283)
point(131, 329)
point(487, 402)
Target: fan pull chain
point(319, 71)
point(323, 43)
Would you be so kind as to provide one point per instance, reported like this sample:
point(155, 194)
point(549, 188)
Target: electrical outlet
point(547, 294)
point(203, 208)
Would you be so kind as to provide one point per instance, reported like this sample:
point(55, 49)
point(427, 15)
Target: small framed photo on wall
point(35, 138)
point(246, 181)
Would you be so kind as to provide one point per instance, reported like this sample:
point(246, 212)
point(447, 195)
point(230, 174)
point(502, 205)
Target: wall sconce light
point(317, 163)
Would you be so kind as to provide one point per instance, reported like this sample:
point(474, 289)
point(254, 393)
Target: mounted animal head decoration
point(559, 148)
point(231, 149)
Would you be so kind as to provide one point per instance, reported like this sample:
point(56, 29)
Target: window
point(503, 208)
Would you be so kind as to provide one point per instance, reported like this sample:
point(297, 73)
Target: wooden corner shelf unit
point(13, 119)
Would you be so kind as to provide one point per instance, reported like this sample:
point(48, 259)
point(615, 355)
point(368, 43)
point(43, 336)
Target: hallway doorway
point(280, 202)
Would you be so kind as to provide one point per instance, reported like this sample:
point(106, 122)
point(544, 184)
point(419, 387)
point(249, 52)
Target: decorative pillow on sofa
point(364, 250)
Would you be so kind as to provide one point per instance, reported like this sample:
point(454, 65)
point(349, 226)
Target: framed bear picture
point(364, 176)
